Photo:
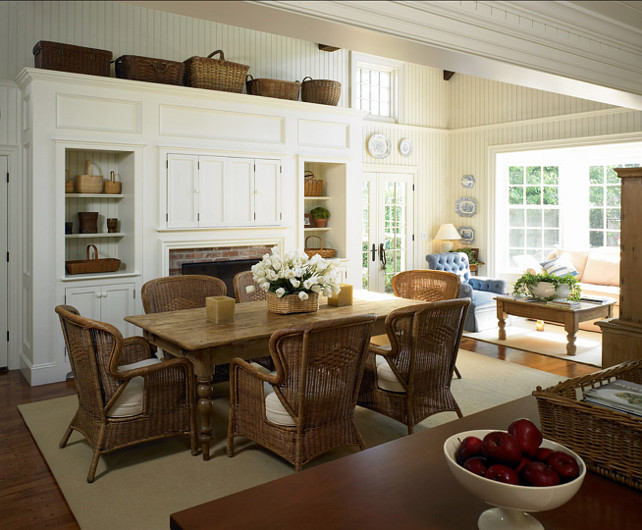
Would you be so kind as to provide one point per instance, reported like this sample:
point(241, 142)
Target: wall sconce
point(447, 233)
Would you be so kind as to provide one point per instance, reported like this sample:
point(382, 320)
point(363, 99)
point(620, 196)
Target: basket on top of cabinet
point(71, 58)
point(215, 74)
point(273, 88)
point(148, 69)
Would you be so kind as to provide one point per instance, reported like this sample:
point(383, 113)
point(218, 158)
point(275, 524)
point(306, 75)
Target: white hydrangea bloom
point(303, 295)
point(280, 292)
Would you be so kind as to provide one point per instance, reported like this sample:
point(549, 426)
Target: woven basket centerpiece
point(323, 91)
point(291, 303)
point(215, 74)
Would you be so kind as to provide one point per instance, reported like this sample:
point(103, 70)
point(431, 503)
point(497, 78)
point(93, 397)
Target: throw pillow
point(527, 263)
point(559, 267)
point(603, 268)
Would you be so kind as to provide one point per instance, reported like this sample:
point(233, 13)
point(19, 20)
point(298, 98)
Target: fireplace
point(224, 270)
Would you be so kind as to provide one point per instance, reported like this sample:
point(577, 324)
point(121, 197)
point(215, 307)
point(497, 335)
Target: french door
point(4, 278)
point(387, 215)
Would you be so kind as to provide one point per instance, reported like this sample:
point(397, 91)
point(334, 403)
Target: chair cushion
point(386, 378)
point(275, 411)
point(130, 402)
point(267, 387)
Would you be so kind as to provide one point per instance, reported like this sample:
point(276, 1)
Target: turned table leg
point(204, 414)
point(571, 330)
point(501, 322)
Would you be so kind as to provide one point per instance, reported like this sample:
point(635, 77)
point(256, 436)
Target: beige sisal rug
point(522, 335)
point(140, 487)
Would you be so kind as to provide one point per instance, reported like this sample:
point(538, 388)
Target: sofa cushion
point(577, 258)
point(602, 268)
point(560, 266)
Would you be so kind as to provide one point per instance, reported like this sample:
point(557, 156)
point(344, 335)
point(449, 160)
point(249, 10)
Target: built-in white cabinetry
point(107, 302)
point(213, 191)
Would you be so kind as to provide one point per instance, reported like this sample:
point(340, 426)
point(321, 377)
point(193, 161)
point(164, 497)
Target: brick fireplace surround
point(199, 255)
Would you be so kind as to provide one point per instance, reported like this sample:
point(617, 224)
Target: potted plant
point(471, 253)
point(320, 216)
point(547, 286)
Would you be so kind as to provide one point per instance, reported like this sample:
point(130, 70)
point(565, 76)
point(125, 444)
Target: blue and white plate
point(467, 234)
point(468, 181)
point(466, 206)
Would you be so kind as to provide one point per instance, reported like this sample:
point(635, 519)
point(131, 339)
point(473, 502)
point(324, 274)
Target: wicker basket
point(89, 183)
point(70, 58)
point(215, 74)
point(111, 186)
point(148, 69)
point(312, 186)
point(69, 184)
point(323, 252)
point(95, 265)
point(323, 91)
point(273, 88)
point(291, 303)
point(610, 442)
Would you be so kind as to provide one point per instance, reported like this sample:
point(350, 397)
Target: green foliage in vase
point(472, 260)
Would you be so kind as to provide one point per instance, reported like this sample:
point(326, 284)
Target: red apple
point(528, 436)
point(501, 448)
point(477, 465)
point(469, 447)
point(564, 465)
point(538, 474)
point(523, 462)
point(502, 473)
point(542, 453)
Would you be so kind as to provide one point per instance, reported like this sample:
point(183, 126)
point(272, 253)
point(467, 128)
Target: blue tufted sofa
point(482, 312)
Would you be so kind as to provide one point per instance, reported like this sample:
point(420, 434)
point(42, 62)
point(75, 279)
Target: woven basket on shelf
point(149, 69)
point(323, 91)
point(111, 185)
point(323, 252)
point(312, 186)
point(94, 265)
point(291, 303)
point(610, 442)
point(273, 88)
point(71, 58)
point(215, 74)
point(89, 183)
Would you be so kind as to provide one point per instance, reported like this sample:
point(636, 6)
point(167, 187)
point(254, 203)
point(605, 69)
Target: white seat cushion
point(386, 378)
point(130, 402)
point(275, 411)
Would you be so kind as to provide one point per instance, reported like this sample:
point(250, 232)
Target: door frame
point(413, 171)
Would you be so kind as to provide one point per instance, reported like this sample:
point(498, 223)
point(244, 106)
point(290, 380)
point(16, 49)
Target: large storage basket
point(71, 58)
point(148, 69)
point(215, 74)
point(610, 442)
point(312, 187)
point(92, 265)
point(323, 252)
point(273, 88)
point(323, 91)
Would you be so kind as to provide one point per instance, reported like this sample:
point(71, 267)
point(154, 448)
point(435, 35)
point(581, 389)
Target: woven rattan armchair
point(428, 286)
point(172, 293)
point(125, 395)
point(410, 380)
point(243, 280)
point(307, 407)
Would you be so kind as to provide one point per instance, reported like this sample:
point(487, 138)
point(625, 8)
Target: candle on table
point(344, 297)
point(219, 309)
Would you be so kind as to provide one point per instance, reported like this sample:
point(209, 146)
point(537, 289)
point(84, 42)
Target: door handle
point(374, 251)
point(382, 255)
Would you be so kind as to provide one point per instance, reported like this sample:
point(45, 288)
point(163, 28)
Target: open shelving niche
point(121, 244)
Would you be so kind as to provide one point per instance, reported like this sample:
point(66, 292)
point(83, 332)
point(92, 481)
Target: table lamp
point(447, 233)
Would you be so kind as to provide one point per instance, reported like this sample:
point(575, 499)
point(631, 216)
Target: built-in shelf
point(94, 195)
point(319, 198)
point(91, 236)
point(317, 229)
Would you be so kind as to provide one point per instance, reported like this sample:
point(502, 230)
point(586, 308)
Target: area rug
point(522, 335)
point(140, 487)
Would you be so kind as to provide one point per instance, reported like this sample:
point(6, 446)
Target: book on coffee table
point(564, 302)
point(620, 395)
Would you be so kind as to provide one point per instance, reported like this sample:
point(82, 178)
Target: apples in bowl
point(508, 474)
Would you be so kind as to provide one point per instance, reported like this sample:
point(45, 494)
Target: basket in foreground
point(215, 74)
point(291, 303)
point(610, 442)
point(273, 88)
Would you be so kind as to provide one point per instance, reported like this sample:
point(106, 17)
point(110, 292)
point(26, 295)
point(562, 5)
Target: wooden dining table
point(187, 333)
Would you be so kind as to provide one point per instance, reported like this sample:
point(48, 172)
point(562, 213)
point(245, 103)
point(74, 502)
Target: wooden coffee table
point(569, 317)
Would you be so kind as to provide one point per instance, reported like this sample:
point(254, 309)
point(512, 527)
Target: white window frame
point(381, 64)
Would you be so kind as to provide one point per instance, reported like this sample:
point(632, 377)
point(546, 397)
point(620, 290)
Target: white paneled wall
point(9, 114)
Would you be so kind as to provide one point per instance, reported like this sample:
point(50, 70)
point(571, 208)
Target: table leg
point(501, 322)
point(204, 414)
point(571, 329)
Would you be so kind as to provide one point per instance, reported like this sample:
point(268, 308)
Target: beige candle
point(219, 309)
point(344, 297)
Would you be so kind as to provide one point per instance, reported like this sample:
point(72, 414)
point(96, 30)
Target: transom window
point(375, 86)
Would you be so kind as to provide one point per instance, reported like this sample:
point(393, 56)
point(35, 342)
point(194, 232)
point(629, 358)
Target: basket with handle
point(92, 265)
point(273, 88)
point(149, 69)
point(215, 74)
point(111, 186)
point(69, 184)
point(89, 183)
point(323, 91)
point(323, 252)
point(312, 186)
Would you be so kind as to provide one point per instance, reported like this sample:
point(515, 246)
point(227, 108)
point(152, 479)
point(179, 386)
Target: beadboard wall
point(452, 124)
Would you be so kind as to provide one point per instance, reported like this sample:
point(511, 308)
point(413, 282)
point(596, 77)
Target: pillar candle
point(344, 297)
point(220, 309)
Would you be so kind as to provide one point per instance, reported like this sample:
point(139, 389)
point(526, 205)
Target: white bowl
point(546, 290)
point(512, 501)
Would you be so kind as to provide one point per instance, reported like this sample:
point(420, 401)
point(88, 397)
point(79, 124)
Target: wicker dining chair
point(246, 279)
point(428, 286)
point(172, 293)
point(306, 407)
point(410, 380)
point(126, 396)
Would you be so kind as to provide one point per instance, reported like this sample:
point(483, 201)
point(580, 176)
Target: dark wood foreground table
point(404, 484)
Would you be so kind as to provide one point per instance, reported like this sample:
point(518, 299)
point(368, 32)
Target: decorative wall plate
point(467, 234)
point(379, 145)
point(466, 206)
point(468, 181)
point(405, 147)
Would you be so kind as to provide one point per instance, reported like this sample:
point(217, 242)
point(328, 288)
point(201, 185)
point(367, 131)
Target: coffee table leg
point(501, 322)
point(204, 414)
point(570, 345)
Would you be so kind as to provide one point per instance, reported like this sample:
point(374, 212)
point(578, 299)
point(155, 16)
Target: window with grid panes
point(375, 83)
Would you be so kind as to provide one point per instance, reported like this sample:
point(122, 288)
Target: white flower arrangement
point(295, 273)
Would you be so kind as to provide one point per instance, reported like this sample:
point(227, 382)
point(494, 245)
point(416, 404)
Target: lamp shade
point(447, 231)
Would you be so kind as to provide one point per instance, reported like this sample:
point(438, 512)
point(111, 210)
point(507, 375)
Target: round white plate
point(379, 145)
point(405, 147)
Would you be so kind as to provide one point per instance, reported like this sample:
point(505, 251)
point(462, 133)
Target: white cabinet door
point(182, 191)
point(211, 173)
point(85, 299)
point(267, 192)
point(239, 192)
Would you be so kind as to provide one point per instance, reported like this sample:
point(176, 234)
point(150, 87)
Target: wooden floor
point(29, 495)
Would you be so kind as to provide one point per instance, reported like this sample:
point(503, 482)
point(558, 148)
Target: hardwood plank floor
point(29, 496)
